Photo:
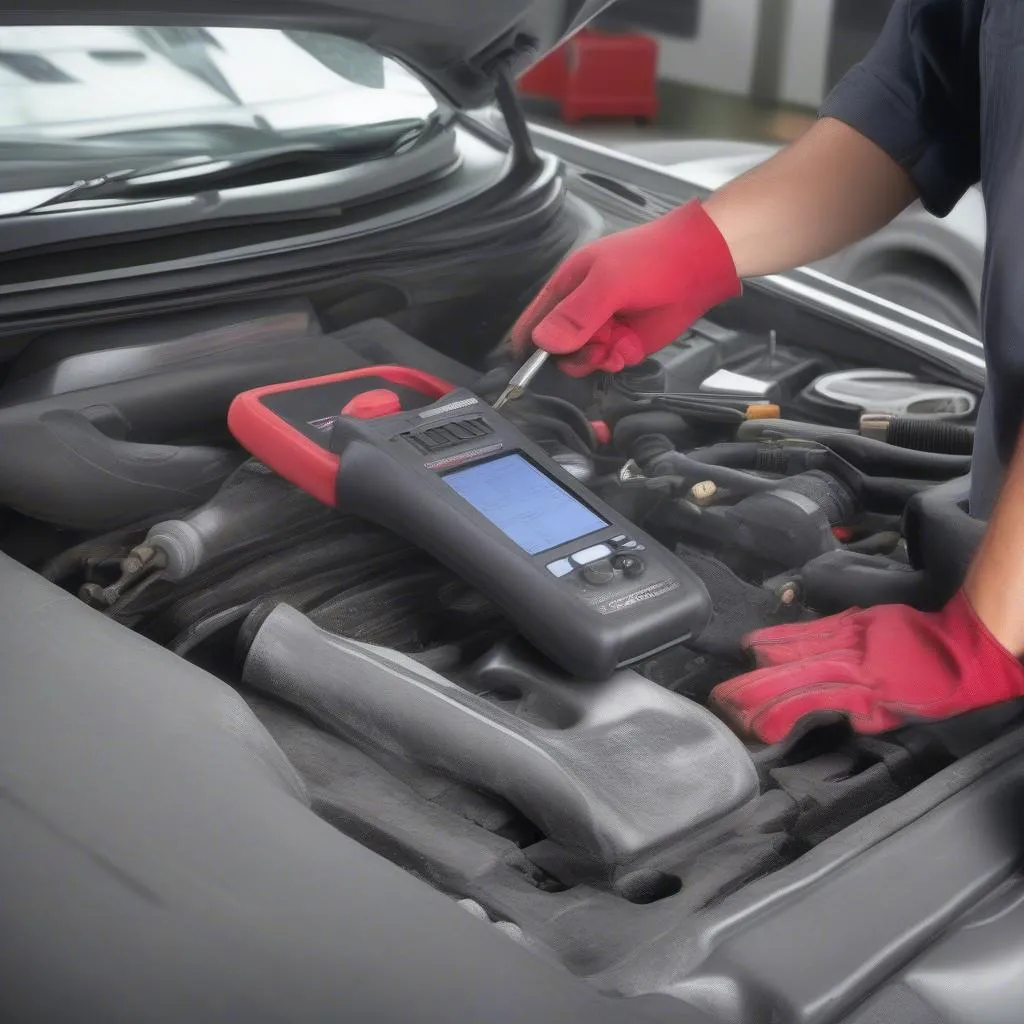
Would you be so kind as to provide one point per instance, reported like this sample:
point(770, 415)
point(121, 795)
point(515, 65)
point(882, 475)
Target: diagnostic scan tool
point(448, 472)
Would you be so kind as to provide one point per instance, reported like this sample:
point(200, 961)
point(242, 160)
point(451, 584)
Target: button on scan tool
point(371, 404)
point(624, 543)
point(630, 566)
point(561, 567)
point(591, 554)
point(598, 573)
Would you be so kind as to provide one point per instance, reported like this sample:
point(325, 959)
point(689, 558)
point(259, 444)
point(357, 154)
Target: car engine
point(577, 816)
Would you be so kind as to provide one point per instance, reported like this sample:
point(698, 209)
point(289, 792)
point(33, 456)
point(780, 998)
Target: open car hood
point(453, 44)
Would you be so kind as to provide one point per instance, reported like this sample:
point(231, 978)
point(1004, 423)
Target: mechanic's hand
point(619, 299)
point(881, 667)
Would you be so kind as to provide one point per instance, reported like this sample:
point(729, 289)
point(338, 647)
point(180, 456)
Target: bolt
point(92, 595)
point(630, 471)
point(703, 492)
point(137, 559)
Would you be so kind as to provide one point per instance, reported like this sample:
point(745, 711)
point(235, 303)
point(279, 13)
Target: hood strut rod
point(512, 110)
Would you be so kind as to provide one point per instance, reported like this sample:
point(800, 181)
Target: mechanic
point(935, 107)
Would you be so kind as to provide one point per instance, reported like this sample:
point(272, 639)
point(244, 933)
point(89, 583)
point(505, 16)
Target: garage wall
point(805, 55)
point(722, 54)
point(794, 58)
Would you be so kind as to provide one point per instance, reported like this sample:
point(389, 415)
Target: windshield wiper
point(173, 178)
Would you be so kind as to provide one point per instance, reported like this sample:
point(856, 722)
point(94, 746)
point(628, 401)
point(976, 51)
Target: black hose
point(876, 457)
point(568, 414)
point(780, 459)
point(926, 435)
point(880, 459)
point(737, 455)
point(699, 409)
point(657, 456)
point(629, 429)
point(752, 430)
point(836, 500)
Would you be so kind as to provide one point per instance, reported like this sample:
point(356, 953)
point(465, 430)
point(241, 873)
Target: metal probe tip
point(520, 380)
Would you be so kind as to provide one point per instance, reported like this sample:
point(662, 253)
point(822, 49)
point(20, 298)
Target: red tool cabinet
point(598, 74)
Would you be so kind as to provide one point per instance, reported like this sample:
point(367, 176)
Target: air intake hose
point(920, 433)
point(837, 502)
point(873, 456)
point(880, 459)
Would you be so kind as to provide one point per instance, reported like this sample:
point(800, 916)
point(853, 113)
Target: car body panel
point(160, 856)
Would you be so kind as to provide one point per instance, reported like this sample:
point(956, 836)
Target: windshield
point(83, 101)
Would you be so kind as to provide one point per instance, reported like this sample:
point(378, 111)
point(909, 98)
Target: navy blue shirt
point(942, 92)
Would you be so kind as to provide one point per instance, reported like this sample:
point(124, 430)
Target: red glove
point(619, 299)
point(881, 667)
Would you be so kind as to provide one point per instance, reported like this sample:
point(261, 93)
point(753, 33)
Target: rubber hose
point(736, 455)
point(635, 425)
point(927, 435)
point(753, 430)
point(888, 492)
point(560, 408)
point(832, 496)
point(762, 458)
point(657, 456)
point(878, 458)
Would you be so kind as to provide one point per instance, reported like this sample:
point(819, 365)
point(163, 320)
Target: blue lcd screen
point(524, 503)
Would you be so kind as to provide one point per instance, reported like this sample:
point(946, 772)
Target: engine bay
point(581, 817)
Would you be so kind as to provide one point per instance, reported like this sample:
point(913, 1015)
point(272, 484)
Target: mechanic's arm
point(995, 583)
point(902, 123)
point(829, 189)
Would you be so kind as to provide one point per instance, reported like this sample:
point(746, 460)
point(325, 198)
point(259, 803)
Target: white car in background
point(928, 264)
point(126, 79)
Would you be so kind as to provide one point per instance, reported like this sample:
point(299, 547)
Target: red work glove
point(881, 667)
point(619, 299)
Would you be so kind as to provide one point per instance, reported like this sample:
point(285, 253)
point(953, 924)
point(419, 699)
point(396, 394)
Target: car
point(283, 737)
